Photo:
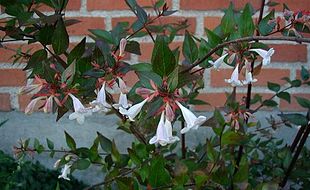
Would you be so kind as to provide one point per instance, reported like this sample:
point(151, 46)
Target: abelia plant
point(83, 80)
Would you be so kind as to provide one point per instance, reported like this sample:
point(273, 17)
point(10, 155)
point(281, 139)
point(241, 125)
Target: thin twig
point(112, 179)
point(297, 138)
point(183, 141)
point(296, 155)
point(245, 39)
point(249, 92)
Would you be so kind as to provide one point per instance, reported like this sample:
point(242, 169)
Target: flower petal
point(133, 111)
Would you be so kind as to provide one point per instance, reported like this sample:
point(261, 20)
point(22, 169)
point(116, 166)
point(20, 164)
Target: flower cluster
point(234, 79)
point(167, 111)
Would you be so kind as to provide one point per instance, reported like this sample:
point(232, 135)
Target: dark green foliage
point(31, 176)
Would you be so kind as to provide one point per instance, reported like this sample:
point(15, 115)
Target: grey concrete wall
point(42, 126)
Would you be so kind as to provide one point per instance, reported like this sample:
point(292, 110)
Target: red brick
point(293, 106)
point(272, 75)
point(86, 23)
point(24, 100)
point(217, 100)
point(289, 53)
point(72, 5)
point(5, 103)
point(146, 51)
point(6, 54)
point(131, 78)
point(215, 4)
point(117, 4)
point(293, 5)
point(191, 21)
point(12, 77)
point(212, 22)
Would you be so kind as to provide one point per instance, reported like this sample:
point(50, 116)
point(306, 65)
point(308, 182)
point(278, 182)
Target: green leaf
point(273, 86)
point(270, 103)
point(68, 75)
point(265, 27)
point(211, 153)
point(38, 147)
point(59, 4)
point(190, 49)
point(243, 172)
point(144, 172)
point(303, 102)
point(70, 141)
point(270, 186)
point(125, 183)
point(145, 78)
point(57, 186)
point(105, 143)
point(133, 47)
point(219, 117)
point(234, 138)
point(77, 51)
point(36, 58)
point(246, 25)
point(45, 35)
point(295, 118)
point(141, 14)
point(104, 35)
point(81, 164)
point(228, 21)
point(116, 157)
point(60, 41)
point(163, 60)
point(173, 80)
point(158, 175)
point(133, 156)
point(287, 159)
point(213, 38)
point(295, 83)
point(285, 96)
point(304, 73)
point(141, 67)
point(50, 144)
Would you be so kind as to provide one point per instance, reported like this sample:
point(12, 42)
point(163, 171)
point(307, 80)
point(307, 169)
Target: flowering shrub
point(83, 79)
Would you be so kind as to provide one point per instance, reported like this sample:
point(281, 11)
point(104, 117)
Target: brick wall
point(200, 13)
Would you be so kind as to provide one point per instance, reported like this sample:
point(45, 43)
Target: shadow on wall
point(42, 126)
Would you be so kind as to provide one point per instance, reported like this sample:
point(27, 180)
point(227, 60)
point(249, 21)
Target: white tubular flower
point(216, 64)
point(133, 111)
point(80, 112)
point(65, 172)
point(266, 55)
point(192, 122)
point(234, 79)
point(161, 136)
point(163, 133)
point(100, 104)
point(30, 107)
point(56, 165)
point(122, 46)
point(122, 102)
point(248, 78)
point(171, 138)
